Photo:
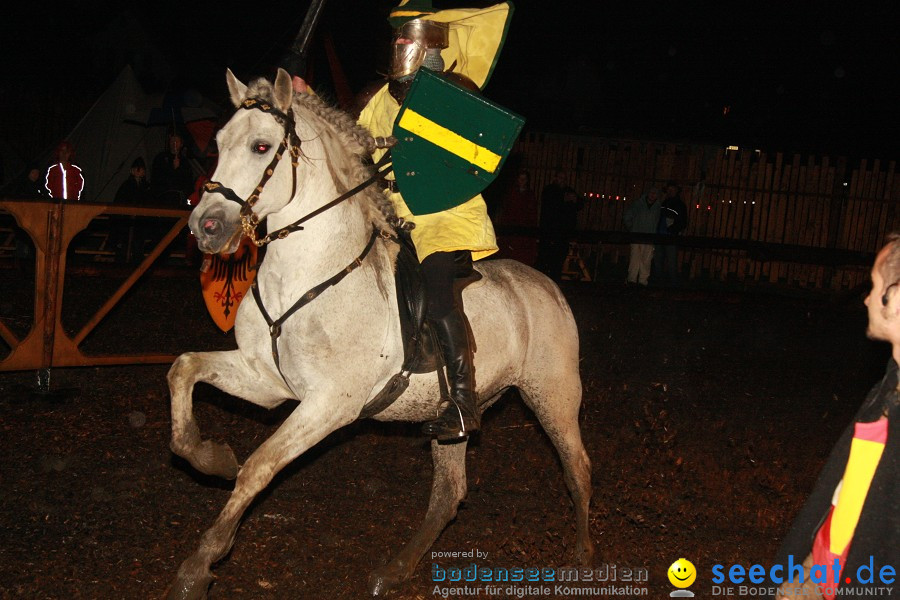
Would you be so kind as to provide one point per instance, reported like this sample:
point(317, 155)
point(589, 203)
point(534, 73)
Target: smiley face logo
point(682, 573)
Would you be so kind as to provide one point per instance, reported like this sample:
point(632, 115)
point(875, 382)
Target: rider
point(462, 45)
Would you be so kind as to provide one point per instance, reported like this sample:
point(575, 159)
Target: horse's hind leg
point(448, 489)
point(556, 404)
point(229, 372)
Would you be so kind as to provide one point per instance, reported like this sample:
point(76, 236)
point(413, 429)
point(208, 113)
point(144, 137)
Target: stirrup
point(452, 424)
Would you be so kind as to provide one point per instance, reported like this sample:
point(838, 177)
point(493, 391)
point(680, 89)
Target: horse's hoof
point(380, 584)
point(584, 553)
point(189, 588)
point(215, 459)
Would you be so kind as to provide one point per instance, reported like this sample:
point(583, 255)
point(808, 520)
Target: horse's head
point(257, 168)
point(261, 168)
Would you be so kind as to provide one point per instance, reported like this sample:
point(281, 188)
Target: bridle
point(290, 142)
point(250, 220)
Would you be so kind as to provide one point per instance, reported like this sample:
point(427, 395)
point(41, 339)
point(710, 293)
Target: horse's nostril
point(211, 226)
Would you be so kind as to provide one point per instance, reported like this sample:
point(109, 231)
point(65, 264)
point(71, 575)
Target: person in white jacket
point(642, 216)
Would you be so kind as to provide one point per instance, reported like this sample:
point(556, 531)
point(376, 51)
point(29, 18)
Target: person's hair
point(892, 260)
point(138, 163)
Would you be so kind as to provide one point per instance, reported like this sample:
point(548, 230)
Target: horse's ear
point(236, 89)
point(284, 92)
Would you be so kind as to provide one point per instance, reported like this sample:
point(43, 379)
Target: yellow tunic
point(464, 227)
point(476, 37)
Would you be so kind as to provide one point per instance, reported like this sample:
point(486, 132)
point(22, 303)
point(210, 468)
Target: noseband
point(290, 142)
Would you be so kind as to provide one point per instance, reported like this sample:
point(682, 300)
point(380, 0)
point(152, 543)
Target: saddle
point(421, 352)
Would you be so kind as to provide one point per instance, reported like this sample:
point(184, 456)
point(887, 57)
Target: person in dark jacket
point(127, 234)
point(172, 180)
point(672, 221)
point(849, 528)
point(135, 189)
point(559, 217)
point(30, 186)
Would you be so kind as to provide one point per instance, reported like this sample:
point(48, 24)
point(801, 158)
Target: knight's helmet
point(417, 41)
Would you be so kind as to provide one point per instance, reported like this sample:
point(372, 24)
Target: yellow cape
point(476, 38)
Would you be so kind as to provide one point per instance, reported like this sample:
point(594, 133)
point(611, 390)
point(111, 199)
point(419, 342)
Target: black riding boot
point(461, 417)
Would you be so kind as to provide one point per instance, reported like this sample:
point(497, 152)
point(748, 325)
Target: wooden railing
point(52, 225)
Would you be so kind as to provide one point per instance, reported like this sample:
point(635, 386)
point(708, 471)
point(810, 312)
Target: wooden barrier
point(52, 226)
point(752, 218)
point(732, 195)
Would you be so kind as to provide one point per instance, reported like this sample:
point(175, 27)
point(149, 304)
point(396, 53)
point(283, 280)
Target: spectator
point(852, 516)
point(30, 186)
point(135, 189)
point(172, 183)
point(64, 180)
point(519, 208)
point(642, 216)
point(192, 254)
point(127, 235)
point(559, 217)
point(172, 180)
point(672, 221)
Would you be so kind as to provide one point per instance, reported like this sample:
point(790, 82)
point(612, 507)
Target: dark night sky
point(808, 77)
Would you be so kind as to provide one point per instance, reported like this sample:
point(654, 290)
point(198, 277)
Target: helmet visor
point(406, 57)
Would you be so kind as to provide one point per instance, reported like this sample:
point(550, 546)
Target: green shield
point(451, 143)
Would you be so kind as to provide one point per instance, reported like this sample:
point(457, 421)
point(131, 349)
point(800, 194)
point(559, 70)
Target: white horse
point(339, 349)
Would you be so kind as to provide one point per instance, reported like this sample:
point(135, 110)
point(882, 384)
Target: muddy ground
point(707, 414)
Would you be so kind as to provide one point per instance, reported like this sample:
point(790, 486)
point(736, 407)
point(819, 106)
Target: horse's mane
point(347, 145)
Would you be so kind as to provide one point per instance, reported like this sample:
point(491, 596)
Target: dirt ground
point(706, 414)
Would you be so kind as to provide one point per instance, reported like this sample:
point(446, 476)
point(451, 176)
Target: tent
point(126, 123)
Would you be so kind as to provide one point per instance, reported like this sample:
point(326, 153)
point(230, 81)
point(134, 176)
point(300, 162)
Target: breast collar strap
point(309, 296)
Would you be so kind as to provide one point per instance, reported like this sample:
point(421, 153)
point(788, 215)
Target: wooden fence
point(52, 225)
point(803, 210)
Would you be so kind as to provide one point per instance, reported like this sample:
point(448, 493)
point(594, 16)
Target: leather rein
point(250, 220)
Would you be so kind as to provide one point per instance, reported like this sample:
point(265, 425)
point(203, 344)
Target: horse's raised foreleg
point(557, 410)
point(306, 426)
point(448, 489)
point(229, 372)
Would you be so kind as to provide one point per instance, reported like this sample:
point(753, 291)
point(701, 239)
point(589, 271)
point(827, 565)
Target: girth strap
point(309, 296)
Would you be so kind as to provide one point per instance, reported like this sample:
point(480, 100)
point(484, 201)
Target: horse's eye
point(261, 147)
